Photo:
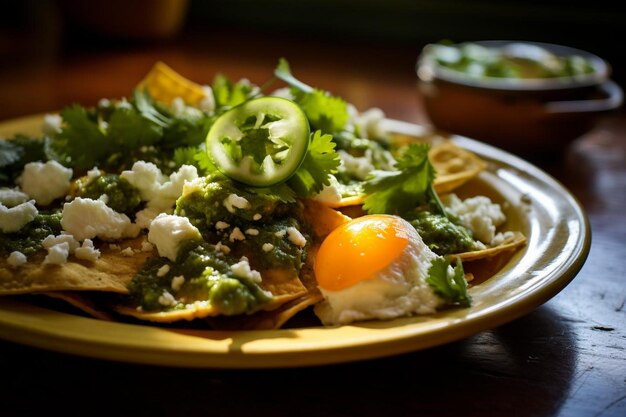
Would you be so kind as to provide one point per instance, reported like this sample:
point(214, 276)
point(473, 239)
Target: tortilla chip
point(454, 166)
point(81, 302)
point(164, 85)
point(266, 320)
point(284, 287)
point(111, 272)
point(322, 218)
point(516, 240)
point(346, 201)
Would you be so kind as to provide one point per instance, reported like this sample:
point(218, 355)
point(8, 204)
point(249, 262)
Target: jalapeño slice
point(261, 142)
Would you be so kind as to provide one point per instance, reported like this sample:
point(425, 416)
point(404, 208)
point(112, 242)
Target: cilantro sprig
point(325, 112)
point(113, 138)
point(449, 283)
point(320, 161)
point(408, 186)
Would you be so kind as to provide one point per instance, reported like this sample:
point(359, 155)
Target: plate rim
point(30, 329)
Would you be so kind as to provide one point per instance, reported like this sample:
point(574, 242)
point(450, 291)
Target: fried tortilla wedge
point(110, 273)
point(322, 218)
point(514, 241)
point(164, 85)
point(266, 320)
point(454, 166)
point(283, 285)
point(82, 302)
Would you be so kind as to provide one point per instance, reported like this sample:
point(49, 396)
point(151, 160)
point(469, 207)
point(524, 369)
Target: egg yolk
point(357, 250)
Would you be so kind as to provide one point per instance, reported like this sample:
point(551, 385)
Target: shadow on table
point(522, 368)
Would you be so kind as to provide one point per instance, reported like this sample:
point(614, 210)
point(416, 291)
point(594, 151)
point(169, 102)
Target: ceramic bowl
point(522, 115)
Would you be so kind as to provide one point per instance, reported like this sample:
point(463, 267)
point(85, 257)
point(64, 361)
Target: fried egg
point(373, 267)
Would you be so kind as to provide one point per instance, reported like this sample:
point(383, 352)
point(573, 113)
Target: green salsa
point(211, 201)
point(122, 196)
point(28, 239)
point(440, 234)
point(262, 222)
point(208, 277)
point(514, 60)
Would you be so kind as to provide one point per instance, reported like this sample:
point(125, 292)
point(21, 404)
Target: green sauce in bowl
point(516, 60)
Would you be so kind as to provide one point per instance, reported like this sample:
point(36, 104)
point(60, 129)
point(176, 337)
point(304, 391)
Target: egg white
point(398, 290)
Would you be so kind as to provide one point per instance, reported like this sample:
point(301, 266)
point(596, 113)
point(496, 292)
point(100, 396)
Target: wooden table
point(566, 358)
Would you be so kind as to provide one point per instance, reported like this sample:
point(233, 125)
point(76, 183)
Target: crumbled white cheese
point(167, 300)
point(358, 166)
point(92, 174)
point(146, 246)
point(87, 251)
point(52, 240)
point(11, 197)
point(501, 237)
point(113, 246)
point(257, 217)
point(168, 231)
point(296, 237)
point(52, 124)
point(57, 254)
point(177, 106)
point(45, 182)
point(281, 233)
point(104, 198)
point(14, 218)
point(242, 270)
point(16, 258)
point(220, 247)
point(478, 214)
point(267, 247)
point(144, 217)
point(156, 189)
point(162, 271)
point(252, 232)
point(207, 104)
point(234, 201)
point(220, 225)
point(236, 235)
point(330, 193)
point(369, 123)
point(177, 282)
point(86, 219)
point(127, 251)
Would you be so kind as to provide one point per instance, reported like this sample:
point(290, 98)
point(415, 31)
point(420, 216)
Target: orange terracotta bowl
point(521, 115)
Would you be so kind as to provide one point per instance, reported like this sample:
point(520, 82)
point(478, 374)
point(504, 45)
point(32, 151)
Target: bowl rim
point(429, 70)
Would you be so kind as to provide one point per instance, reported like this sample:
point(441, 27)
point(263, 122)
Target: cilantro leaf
point(448, 284)
point(128, 129)
point(9, 153)
point(80, 144)
point(320, 161)
point(228, 94)
point(185, 156)
point(325, 112)
point(398, 192)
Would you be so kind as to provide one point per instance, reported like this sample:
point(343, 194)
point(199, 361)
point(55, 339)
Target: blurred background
point(54, 52)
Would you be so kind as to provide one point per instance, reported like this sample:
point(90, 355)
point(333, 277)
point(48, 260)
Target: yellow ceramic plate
point(558, 242)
